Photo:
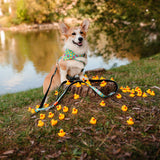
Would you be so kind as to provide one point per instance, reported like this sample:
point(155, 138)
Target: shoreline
point(31, 27)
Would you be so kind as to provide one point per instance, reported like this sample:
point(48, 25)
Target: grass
point(110, 138)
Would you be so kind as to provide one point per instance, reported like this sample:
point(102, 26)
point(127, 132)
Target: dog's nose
point(80, 39)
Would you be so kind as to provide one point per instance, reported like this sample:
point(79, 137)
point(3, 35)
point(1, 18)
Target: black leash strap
point(44, 98)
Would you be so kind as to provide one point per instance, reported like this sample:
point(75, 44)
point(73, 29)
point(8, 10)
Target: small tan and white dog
point(74, 59)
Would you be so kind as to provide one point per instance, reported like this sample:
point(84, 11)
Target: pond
point(26, 58)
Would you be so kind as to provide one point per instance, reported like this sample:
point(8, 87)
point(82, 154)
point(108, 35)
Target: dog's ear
point(85, 25)
point(64, 28)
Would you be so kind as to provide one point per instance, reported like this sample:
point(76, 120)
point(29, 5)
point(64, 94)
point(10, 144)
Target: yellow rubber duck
point(29, 109)
point(56, 93)
point(76, 96)
point(136, 89)
point(121, 88)
point(59, 107)
point(61, 133)
point(88, 82)
point(144, 95)
point(130, 121)
point(124, 90)
point(93, 121)
point(128, 89)
point(124, 108)
point(112, 78)
point(103, 84)
point(139, 94)
point(42, 116)
point(78, 85)
point(46, 105)
point(132, 91)
point(65, 109)
point(102, 103)
point(33, 111)
point(148, 91)
point(68, 82)
point(102, 77)
point(132, 94)
point(61, 116)
point(40, 123)
point(74, 111)
point(54, 122)
point(37, 106)
point(51, 115)
point(152, 93)
point(119, 96)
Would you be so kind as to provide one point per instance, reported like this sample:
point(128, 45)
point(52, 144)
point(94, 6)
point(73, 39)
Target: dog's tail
point(55, 81)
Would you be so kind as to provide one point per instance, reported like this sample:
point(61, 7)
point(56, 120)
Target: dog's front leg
point(63, 75)
point(63, 70)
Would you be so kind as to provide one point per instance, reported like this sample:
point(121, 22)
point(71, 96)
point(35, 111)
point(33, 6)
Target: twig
point(106, 137)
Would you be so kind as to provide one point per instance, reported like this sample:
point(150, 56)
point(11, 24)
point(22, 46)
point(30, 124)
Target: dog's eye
point(73, 33)
point(81, 32)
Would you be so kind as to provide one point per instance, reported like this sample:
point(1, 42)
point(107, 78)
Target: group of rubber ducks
point(136, 91)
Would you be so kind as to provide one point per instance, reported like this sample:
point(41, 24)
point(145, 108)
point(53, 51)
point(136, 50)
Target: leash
point(59, 97)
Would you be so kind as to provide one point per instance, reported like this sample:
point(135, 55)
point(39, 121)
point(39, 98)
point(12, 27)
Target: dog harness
point(70, 55)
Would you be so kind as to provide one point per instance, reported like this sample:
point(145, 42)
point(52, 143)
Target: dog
point(74, 59)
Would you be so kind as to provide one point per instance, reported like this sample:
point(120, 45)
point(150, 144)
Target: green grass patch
point(110, 138)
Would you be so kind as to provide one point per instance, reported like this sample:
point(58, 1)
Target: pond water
point(26, 58)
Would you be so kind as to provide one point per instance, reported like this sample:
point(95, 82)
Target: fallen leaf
point(8, 152)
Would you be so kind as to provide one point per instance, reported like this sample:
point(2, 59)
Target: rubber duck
point(152, 93)
point(88, 82)
point(102, 103)
point(132, 94)
point(59, 107)
point(40, 123)
point(76, 96)
point(85, 76)
point(136, 89)
point(56, 93)
point(65, 109)
point(61, 133)
point(132, 91)
point(144, 95)
point(74, 111)
point(29, 109)
point(37, 106)
point(130, 121)
point(54, 122)
point(139, 94)
point(112, 78)
point(46, 105)
point(121, 88)
point(51, 115)
point(128, 89)
point(83, 83)
point(103, 84)
point(42, 116)
point(148, 91)
point(33, 111)
point(93, 121)
point(119, 96)
point(124, 90)
point(61, 116)
point(68, 82)
point(78, 85)
point(102, 78)
point(124, 108)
